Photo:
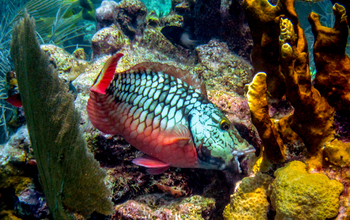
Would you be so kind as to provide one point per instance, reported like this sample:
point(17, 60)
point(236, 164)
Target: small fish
point(164, 112)
point(177, 35)
point(15, 100)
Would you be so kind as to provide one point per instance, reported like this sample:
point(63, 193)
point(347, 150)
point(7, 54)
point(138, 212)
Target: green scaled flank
point(69, 175)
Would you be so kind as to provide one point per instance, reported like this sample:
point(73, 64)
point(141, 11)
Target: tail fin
point(98, 106)
point(106, 75)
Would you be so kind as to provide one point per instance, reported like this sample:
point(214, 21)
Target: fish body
point(167, 117)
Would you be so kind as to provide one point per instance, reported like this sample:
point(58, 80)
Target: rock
point(31, 204)
point(108, 41)
point(222, 69)
point(105, 14)
point(158, 207)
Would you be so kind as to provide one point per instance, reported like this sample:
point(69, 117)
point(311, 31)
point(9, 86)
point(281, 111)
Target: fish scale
point(163, 111)
point(153, 114)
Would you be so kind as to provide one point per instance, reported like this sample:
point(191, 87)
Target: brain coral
point(298, 195)
point(250, 200)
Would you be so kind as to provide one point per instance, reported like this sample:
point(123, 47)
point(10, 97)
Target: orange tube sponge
point(313, 117)
point(332, 64)
point(263, 19)
point(257, 101)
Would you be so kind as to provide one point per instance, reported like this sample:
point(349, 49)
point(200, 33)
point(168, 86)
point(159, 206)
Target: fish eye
point(224, 125)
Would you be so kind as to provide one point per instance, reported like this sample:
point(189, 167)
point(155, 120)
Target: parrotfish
point(164, 112)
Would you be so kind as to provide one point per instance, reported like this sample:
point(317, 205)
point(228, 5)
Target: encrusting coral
point(108, 40)
point(298, 195)
point(337, 152)
point(250, 201)
point(68, 66)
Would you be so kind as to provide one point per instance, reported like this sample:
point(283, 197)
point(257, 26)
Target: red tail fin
point(106, 75)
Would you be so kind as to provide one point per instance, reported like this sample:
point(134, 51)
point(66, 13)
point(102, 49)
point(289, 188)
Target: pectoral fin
point(154, 165)
point(179, 134)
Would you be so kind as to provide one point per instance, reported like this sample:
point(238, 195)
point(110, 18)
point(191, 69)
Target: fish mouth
point(239, 158)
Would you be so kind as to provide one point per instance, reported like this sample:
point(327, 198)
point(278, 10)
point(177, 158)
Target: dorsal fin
point(105, 77)
point(184, 75)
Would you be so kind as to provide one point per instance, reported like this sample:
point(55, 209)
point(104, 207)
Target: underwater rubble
point(257, 72)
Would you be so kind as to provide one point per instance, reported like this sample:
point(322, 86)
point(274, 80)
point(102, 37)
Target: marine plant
point(57, 20)
point(63, 160)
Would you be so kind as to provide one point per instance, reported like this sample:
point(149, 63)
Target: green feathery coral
point(70, 177)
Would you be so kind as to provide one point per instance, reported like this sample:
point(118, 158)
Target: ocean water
point(204, 109)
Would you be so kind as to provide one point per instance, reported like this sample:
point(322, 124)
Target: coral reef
point(297, 194)
point(294, 121)
point(250, 199)
point(126, 180)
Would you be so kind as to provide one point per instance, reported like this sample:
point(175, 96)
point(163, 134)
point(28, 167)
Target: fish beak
point(239, 156)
